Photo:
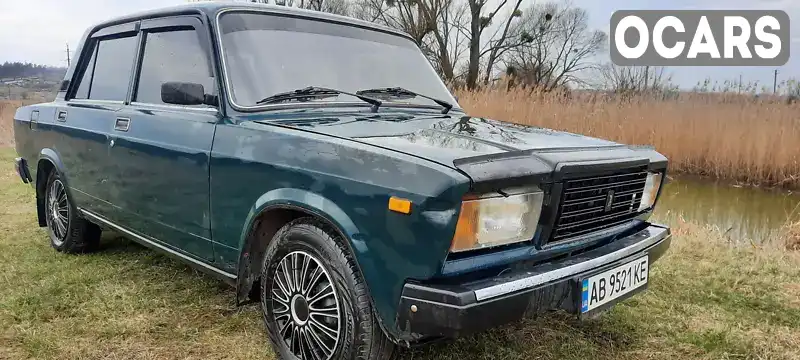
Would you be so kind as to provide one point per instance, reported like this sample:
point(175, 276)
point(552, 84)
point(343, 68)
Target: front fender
point(304, 201)
point(298, 200)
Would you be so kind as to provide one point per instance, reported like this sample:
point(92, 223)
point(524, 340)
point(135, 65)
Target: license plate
point(612, 284)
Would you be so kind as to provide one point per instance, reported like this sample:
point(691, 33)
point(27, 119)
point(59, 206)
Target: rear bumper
point(22, 170)
point(430, 311)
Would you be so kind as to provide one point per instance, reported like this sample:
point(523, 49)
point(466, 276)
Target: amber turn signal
point(467, 226)
point(400, 205)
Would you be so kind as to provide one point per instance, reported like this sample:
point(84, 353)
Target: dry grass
point(728, 137)
point(793, 236)
point(7, 109)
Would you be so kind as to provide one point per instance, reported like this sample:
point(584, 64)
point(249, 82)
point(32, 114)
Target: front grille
point(586, 205)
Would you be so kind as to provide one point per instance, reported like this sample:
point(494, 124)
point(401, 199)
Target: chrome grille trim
point(594, 203)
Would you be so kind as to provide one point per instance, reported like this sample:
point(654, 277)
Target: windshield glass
point(268, 54)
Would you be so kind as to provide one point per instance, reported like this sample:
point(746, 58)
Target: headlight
point(651, 186)
point(488, 222)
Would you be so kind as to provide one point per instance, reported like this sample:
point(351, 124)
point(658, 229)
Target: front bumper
point(433, 311)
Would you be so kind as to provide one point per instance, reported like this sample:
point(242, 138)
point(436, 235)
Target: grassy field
point(706, 300)
point(727, 135)
point(7, 109)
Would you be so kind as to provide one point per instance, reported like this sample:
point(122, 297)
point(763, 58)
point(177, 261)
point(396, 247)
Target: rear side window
point(86, 80)
point(172, 56)
point(107, 73)
point(112, 68)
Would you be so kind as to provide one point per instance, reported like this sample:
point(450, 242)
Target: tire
point(68, 232)
point(330, 277)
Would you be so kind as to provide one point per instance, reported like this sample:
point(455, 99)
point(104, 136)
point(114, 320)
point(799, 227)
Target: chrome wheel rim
point(305, 307)
point(58, 211)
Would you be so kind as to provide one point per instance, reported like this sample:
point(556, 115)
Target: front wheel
point(68, 232)
point(313, 298)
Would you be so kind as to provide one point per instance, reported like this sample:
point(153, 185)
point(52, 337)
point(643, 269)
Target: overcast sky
point(38, 30)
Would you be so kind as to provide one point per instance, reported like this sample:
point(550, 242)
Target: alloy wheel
point(58, 211)
point(306, 307)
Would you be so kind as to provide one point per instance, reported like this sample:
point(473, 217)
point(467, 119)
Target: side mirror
point(181, 93)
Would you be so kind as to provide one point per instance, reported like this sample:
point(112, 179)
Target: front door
point(162, 151)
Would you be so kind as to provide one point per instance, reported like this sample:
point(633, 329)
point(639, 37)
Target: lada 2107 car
point(318, 164)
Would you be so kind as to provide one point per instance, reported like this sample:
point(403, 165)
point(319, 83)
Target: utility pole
point(775, 83)
point(740, 83)
point(68, 59)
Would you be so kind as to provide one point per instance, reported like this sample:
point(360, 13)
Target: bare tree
point(432, 24)
point(553, 45)
point(340, 7)
point(497, 46)
point(449, 31)
point(635, 79)
point(479, 22)
point(447, 44)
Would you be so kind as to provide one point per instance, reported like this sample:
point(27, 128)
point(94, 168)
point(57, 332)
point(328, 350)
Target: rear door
point(162, 150)
point(82, 126)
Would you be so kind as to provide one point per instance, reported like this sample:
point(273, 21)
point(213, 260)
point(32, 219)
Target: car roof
point(212, 8)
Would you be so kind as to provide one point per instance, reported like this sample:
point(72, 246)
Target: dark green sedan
point(318, 164)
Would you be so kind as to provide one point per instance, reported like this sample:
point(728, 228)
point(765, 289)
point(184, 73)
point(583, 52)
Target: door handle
point(34, 118)
point(61, 115)
point(122, 124)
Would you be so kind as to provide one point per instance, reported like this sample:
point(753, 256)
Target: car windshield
point(268, 54)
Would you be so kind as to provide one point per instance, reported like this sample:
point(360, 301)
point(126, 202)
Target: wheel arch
point(48, 162)
point(275, 209)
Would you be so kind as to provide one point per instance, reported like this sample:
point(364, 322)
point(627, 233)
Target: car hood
point(483, 148)
point(445, 138)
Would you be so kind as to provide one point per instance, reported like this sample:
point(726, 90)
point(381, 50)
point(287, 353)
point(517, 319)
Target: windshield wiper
point(401, 93)
point(315, 92)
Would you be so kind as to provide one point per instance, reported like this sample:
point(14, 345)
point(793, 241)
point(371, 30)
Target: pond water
point(743, 213)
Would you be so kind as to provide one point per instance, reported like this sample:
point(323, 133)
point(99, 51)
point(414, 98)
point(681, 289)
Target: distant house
point(12, 81)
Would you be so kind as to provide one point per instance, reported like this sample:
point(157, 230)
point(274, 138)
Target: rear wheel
point(68, 232)
point(314, 301)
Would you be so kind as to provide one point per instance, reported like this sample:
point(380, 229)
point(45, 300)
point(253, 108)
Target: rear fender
point(50, 156)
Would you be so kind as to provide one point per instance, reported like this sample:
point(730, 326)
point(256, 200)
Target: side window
point(112, 69)
point(172, 56)
point(86, 80)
